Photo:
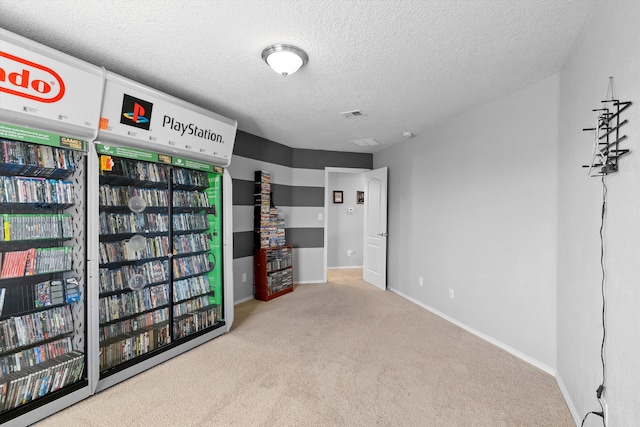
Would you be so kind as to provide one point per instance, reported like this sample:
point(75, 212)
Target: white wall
point(473, 207)
point(345, 229)
point(609, 46)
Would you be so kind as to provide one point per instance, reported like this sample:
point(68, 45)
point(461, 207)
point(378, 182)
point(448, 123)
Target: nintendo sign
point(21, 77)
point(37, 82)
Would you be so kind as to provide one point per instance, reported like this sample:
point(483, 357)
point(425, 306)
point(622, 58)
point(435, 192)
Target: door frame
point(327, 201)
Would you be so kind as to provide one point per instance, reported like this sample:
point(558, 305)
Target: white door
point(375, 228)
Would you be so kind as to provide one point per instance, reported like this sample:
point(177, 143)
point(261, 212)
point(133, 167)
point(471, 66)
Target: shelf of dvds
point(269, 227)
point(134, 269)
point(196, 242)
point(273, 272)
point(159, 236)
point(42, 339)
point(78, 215)
point(272, 260)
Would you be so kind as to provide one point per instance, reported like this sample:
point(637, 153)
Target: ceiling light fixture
point(284, 59)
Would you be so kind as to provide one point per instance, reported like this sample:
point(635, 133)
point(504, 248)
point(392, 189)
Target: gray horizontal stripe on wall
point(286, 195)
point(242, 244)
point(257, 148)
point(243, 192)
point(297, 237)
point(319, 159)
point(305, 237)
point(283, 195)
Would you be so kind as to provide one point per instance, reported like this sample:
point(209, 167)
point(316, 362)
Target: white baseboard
point(309, 282)
point(344, 268)
point(240, 301)
point(567, 398)
point(548, 369)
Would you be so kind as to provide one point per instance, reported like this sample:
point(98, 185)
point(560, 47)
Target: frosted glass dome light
point(284, 59)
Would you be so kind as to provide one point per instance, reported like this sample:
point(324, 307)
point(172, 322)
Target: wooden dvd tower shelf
point(272, 260)
point(273, 270)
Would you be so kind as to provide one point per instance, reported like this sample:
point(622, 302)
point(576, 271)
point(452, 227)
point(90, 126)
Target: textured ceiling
point(407, 64)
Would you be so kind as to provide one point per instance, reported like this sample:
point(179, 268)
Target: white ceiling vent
point(352, 114)
point(366, 142)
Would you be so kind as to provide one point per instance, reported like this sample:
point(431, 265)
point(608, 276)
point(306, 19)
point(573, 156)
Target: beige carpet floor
point(336, 354)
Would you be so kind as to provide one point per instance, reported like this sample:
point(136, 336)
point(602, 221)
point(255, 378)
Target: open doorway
point(344, 276)
point(342, 197)
point(344, 221)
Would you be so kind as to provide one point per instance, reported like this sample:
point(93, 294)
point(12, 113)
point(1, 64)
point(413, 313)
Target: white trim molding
point(240, 301)
point(567, 398)
point(530, 360)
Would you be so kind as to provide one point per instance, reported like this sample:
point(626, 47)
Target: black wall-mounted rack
point(607, 137)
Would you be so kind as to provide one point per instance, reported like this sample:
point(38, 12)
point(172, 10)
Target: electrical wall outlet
point(350, 252)
point(420, 281)
point(244, 277)
point(451, 293)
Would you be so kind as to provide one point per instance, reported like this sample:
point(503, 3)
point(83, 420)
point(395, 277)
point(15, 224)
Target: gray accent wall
point(473, 205)
point(297, 178)
point(494, 203)
point(608, 46)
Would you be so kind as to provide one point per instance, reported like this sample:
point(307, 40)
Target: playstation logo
point(136, 112)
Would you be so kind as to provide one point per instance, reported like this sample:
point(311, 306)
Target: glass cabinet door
point(42, 273)
point(197, 251)
point(160, 275)
point(135, 249)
